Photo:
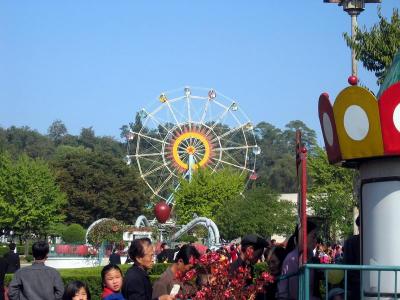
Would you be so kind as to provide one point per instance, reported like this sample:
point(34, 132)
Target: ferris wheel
point(190, 128)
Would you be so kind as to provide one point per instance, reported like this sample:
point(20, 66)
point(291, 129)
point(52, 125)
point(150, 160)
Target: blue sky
point(95, 63)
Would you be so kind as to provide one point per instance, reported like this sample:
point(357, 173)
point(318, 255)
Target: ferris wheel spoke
point(154, 170)
point(157, 121)
point(174, 116)
point(213, 165)
point(219, 119)
point(189, 113)
point(198, 143)
point(234, 159)
point(198, 157)
point(232, 143)
point(164, 183)
point(228, 132)
point(234, 148)
point(151, 138)
point(145, 164)
point(182, 147)
point(203, 116)
point(233, 165)
point(185, 157)
point(199, 146)
point(201, 151)
point(146, 154)
point(186, 142)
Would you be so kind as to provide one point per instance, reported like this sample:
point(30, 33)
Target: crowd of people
point(39, 281)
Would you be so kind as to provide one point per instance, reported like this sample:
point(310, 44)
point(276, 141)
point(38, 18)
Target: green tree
point(308, 136)
point(57, 131)
point(25, 140)
point(135, 127)
point(87, 138)
point(56, 230)
point(98, 185)
point(331, 194)
point(205, 193)
point(377, 47)
point(30, 199)
point(276, 165)
point(260, 211)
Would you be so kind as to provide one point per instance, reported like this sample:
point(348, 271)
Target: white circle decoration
point(396, 117)
point(356, 122)
point(328, 131)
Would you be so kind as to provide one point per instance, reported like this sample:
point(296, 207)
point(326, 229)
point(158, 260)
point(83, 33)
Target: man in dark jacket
point(352, 256)
point(3, 269)
point(37, 282)
point(115, 258)
point(252, 248)
point(137, 285)
point(12, 259)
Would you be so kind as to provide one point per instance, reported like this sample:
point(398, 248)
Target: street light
point(353, 8)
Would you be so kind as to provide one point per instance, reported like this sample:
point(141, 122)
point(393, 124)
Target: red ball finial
point(162, 211)
point(352, 80)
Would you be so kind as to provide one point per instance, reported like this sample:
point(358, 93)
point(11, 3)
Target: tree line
point(87, 179)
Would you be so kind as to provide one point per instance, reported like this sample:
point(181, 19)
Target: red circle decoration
point(388, 103)
point(352, 80)
point(162, 211)
point(325, 107)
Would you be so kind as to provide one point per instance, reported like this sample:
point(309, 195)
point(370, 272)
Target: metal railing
point(375, 282)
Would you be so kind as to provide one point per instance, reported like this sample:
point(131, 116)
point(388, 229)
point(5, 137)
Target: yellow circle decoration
point(191, 149)
point(358, 125)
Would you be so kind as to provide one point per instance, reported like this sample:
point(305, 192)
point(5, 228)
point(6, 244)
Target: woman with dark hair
point(288, 288)
point(76, 290)
point(275, 259)
point(137, 285)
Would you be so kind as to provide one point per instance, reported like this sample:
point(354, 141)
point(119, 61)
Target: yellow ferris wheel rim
point(187, 135)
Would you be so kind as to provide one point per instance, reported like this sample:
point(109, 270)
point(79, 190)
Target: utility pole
point(353, 8)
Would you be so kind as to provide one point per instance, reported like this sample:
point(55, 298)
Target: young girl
point(111, 277)
point(76, 290)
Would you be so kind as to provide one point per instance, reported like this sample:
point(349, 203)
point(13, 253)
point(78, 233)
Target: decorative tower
point(363, 131)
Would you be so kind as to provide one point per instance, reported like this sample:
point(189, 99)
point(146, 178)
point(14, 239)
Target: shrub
point(259, 268)
point(108, 230)
point(21, 249)
point(188, 238)
point(74, 234)
point(3, 250)
point(29, 258)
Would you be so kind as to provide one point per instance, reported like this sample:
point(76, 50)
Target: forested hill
point(91, 171)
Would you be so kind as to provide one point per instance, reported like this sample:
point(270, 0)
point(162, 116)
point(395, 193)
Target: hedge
point(3, 250)
point(92, 276)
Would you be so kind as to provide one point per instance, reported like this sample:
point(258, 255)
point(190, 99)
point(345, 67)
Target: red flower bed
point(216, 282)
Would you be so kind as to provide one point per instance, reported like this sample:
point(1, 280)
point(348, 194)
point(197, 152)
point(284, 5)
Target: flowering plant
point(215, 281)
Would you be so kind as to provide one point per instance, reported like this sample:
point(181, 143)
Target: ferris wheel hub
point(194, 143)
point(191, 150)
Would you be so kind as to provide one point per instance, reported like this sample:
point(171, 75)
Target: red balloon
point(352, 80)
point(162, 211)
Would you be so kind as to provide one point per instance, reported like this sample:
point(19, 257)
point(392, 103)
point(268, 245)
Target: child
point(76, 290)
point(111, 277)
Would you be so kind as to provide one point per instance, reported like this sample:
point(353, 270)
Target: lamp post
point(353, 8)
